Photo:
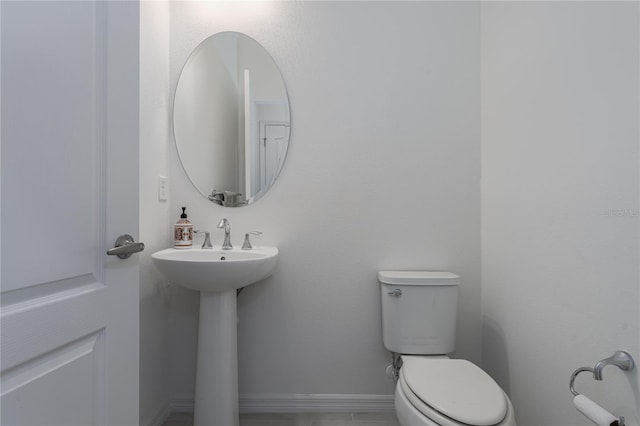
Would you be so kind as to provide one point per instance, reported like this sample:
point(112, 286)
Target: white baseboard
point(182, 404)
point(299, 403)
point(315, 403)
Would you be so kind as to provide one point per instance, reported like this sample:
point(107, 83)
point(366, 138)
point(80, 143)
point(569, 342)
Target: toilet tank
point(419, 311)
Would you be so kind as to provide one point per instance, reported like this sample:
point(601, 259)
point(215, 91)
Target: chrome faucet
point(224, 223)
point(207, 239)
point(620, 359)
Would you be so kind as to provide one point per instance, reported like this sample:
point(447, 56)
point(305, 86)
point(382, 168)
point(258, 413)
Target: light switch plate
point(162, 188)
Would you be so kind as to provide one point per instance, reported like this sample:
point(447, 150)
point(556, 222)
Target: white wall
point(154, 215)
point(560, 139)
point(383, 173)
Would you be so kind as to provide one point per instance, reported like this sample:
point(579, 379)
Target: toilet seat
point(452, 391)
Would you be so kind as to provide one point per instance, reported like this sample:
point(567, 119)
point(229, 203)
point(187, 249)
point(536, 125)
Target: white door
point(275, 137)
point(69, 188)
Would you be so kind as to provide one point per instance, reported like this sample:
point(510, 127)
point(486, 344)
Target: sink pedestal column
point(216, 400)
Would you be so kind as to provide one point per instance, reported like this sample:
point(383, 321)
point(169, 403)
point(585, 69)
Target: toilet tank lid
point(418, 278)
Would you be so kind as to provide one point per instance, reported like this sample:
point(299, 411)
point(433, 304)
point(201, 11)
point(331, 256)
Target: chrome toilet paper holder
point(621, 359)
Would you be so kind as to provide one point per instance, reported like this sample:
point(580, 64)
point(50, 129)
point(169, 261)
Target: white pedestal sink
point(217, 274)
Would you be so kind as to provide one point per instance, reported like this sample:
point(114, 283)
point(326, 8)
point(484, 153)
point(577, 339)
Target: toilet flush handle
point(397, 292)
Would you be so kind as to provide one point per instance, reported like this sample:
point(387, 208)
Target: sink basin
point(213, 270)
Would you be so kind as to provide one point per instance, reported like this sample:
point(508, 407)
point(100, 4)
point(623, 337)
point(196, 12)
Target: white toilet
point(419, 310)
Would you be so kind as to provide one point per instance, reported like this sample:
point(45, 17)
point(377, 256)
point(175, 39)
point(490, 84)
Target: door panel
point(49, 135)
point(69, 312)
point(27, 389)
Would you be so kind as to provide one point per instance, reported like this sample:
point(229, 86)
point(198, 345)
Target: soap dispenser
point(183, 231)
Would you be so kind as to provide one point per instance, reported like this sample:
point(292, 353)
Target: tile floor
point(302, 419)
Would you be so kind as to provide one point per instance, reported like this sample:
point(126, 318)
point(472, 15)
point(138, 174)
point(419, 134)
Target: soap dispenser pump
point(183, 231)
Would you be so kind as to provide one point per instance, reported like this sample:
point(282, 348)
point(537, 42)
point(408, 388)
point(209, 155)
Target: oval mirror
point(231, 119)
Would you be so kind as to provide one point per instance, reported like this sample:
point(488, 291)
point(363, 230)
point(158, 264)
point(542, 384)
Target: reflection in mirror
point(231, 119)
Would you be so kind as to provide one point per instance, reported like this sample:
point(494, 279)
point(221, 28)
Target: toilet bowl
point(419, 311)
point(439, 391)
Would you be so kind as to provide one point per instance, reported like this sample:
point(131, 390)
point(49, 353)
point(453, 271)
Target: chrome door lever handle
point(125, 246)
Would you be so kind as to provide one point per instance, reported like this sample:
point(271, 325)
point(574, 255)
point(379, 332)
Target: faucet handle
point(207, 239)
point(247, 243)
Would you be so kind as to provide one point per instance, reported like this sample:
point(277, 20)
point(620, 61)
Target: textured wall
point(154, 215)
point(560, 202)
point(383, 173)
